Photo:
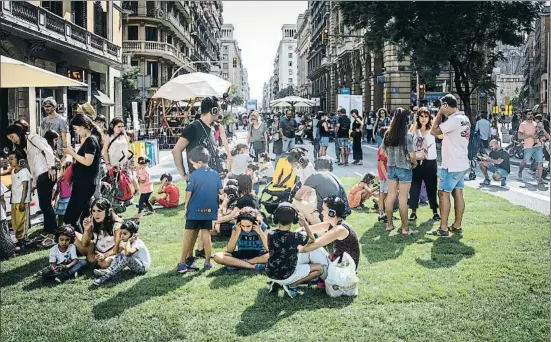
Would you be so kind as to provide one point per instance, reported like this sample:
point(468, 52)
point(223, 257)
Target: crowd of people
point(222, 194)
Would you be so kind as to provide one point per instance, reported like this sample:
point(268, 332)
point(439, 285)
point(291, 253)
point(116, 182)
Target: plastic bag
point(341, 277)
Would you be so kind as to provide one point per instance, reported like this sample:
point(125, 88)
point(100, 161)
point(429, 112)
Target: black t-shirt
point(246, 201)
point(344, 127)
point(288, 127)
point(323, 132)
point(501, 154)
point(197, 134)
point(83, 174)
point(283, 246)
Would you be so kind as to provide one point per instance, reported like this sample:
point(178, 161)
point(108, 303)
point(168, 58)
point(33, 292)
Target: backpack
point(342, 195)
point(124, 190)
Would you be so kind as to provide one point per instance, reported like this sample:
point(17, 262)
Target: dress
point(357, 153)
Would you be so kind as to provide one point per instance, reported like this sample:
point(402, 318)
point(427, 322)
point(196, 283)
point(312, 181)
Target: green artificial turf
point(490, 285)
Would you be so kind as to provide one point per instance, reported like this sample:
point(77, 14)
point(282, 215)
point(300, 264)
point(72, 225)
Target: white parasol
point(292, 101)
point(191, 86)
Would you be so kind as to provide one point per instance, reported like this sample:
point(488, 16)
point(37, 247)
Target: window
point(150, 34)
point(56, 7)
point(225, 75)
point(290, 80)
point(134, 63)
point(152, 69)
point(225, 48)
point(290, 63)
point(225, 57)
point(169, 39)
point(290, 71)
point(290, 55)
point(132, 33)
point(225, 66)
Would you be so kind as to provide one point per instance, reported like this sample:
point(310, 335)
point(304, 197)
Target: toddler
point(133, 254)
point(146, 186)
point(240, 160)
point(20, 195)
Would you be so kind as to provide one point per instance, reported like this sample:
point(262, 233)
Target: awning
point(16, 74)
point(103, 99)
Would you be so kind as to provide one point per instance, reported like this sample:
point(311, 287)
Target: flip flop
point(409, 232)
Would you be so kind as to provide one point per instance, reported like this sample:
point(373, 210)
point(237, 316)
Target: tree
point(439, 35)
point(130, 91)
point(235, 96)
point(289, 91)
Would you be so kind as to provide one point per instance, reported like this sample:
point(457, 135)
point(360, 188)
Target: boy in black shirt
point(283, 267)
point(497, 163)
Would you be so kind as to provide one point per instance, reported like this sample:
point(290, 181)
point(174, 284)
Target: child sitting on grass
point(249, 237)
point(201, 208)
point(133, 254)
point(64, 263)
point(240, 160)
point(265, 169)
point(252, 170)
point(170, 194)
point(283, 267)
point(362, 191)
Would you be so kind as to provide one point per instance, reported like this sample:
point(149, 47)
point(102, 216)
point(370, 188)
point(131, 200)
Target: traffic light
point(421, 91)
point(324, 35)
point(235, 62)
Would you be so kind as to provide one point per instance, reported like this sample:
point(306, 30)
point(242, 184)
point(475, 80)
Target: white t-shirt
point(142, 254)
point(239, 164)
point(105, 242)
point(58, 257)
point(430, 143)
point(17, 179)
point(3, 214)
point(455, 144)
point(304, 173)
point(117, 150)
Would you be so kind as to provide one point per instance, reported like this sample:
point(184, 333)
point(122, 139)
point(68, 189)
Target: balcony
point(28, 21)
point(159, 49)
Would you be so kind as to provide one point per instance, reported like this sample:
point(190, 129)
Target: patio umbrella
point(292, 101)
point(191, 86)
point(16, 74)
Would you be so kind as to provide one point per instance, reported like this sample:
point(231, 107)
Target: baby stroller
point(284, 183)
point(120, 190)
point(474, 148)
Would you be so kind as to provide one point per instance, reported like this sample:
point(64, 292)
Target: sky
point(257, 29)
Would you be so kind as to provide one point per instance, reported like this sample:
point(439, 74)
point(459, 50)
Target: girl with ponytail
point(86, 165)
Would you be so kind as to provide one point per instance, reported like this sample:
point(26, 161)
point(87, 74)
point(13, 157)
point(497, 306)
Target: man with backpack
point(342, 130)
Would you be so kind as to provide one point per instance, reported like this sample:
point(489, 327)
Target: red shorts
point(165, 204)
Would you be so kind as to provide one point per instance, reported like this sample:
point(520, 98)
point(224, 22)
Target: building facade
point(78, 39)
point(303, 47)
point(169, 38)
point(233, 69)
point(287, 56)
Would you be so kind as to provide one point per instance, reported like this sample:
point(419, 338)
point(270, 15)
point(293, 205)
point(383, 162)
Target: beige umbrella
point(16, 74)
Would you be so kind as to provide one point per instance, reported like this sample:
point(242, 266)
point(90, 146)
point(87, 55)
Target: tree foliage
point(289, 91)
point(235, 96)
point(438, 35)
point(130, 91)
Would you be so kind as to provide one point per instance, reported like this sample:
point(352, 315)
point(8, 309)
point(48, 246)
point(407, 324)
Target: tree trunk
point(462, 87)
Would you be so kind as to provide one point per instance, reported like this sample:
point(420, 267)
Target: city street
point(525, 193)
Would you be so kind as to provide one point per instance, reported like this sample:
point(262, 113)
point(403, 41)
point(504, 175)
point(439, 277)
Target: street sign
point(380, 79)
point(344, 91)
point(395, 90)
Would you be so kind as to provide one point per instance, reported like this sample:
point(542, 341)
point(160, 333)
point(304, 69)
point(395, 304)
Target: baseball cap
point(450, 100)
point(49, 101)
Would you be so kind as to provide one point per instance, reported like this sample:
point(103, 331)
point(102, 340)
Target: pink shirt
point(144, 178)
point(64, 188)
point(529, 128)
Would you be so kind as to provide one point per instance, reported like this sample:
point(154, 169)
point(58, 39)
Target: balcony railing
point(56, 29)
point(155, 48)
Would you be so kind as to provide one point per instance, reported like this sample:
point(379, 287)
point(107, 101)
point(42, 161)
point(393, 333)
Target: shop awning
point(16, 74)
point(103, 99)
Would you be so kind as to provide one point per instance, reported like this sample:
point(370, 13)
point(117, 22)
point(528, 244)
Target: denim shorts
point(399, 174)
point(383, 187)
point(343, 142)
point(324, 141)
point(451, 180)
point(536, 152)
point(494, 169)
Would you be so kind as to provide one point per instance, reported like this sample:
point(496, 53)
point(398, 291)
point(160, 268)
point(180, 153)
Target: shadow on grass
point(379, 245)
point(447, 252)
point(169, 212)
point(145, 289)
point(17, 274)
point(224, 278)
point(268, 309)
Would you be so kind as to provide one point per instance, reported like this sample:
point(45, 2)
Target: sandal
point(408, 232)
point(390, 229)
point(47, 242)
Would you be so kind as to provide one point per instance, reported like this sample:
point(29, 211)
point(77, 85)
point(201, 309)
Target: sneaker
point(273, 287)
point(436, 217)
point(99, 281)
point(455, 230)
point(291, 291)
point(381, 218)
point(439, 232)
point(182, 268)
point(423, 203)
point(486, 182)
point(504, 182)
point(207, 266)
point(192, 265)
point(100, 272)
point(200, 253)
point(260, 267)
point(58, 280)
point(413, 216)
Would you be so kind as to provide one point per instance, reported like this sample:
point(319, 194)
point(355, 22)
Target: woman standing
point(258, 136)
point(115, 149)
point(85, 170)
point(381, 121)
point(357, 129)
point(426, 171)
point(398, 146)
point(323, 127)
point(277, 146)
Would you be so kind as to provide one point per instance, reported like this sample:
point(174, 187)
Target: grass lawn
point(490, 285)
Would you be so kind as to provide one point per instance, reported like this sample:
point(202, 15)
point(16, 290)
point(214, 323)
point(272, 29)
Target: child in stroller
point(117, 187)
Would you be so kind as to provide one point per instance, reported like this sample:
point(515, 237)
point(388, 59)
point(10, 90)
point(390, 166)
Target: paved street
point(525, 193)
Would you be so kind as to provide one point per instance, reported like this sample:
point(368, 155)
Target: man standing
point(533, 145)
point(483, 128)
point(287, 128)
point(497, 162)
point(54, 122)
point(455, 162)
point(198, 133)
point(343, 135)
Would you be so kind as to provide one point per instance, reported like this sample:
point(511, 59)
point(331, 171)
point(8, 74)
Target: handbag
point(341, 277)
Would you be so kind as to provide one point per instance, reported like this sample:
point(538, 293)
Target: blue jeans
point(451, 180)
point(288, 144)
point(399, 174)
